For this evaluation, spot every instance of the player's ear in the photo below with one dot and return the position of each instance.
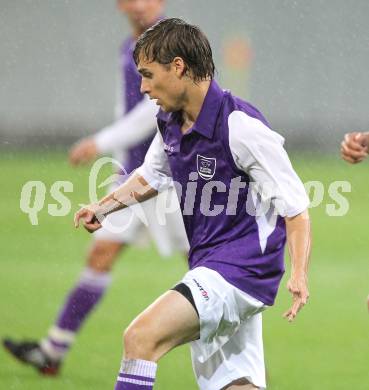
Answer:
(179, 67)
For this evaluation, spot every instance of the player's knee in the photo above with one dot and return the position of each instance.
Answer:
(99, 263)
(102, 254)
(139, 343)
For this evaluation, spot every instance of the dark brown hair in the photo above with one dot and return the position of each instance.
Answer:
(172, 38)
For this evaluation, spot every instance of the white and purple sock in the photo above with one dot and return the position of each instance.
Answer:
(80, 302)
(136, 374)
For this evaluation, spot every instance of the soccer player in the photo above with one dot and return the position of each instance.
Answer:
(354, 149)
(131, 134)
(219, 150)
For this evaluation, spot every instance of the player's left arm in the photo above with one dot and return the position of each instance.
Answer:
(260, 153)
(299, 246)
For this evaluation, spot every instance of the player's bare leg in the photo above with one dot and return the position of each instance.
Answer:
(83, 298)
(103, 254)
(170, 321)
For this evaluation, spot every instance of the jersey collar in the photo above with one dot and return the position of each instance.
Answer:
(206, 121)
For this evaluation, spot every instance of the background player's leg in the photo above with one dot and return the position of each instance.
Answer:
(170, 321)
(82, 299)
(93, 283)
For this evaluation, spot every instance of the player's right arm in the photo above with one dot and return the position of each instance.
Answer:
(149, 179)
(135, 190)
(355, 147)
(260, 153)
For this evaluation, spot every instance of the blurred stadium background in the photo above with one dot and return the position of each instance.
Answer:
(303, 63)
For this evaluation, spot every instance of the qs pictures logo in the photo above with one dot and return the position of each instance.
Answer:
(34, 192)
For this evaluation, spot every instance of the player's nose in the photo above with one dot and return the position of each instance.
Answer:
(144, 87)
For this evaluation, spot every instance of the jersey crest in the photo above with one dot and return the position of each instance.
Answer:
(206, 167)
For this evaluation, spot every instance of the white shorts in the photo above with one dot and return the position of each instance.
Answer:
(160, 217)
(231, 344)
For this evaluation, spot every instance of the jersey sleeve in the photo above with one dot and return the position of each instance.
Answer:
(130, 130)
(259, 152)
(155, 169)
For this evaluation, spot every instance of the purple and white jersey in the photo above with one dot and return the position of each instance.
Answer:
(133, 132)
(218, 167)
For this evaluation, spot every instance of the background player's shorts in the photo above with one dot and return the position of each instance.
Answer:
(160, 217)
(231, 344)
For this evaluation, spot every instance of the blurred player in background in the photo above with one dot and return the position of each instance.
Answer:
(215, 146)
(129, 136)
(355, 149)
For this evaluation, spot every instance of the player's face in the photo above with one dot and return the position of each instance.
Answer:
(164, 83)
(141, 13)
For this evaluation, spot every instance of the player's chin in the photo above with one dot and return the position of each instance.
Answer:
(166, 108)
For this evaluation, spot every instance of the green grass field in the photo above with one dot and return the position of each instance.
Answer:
(326, 348)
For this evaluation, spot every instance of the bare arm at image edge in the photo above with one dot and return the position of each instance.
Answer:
(355, 147)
